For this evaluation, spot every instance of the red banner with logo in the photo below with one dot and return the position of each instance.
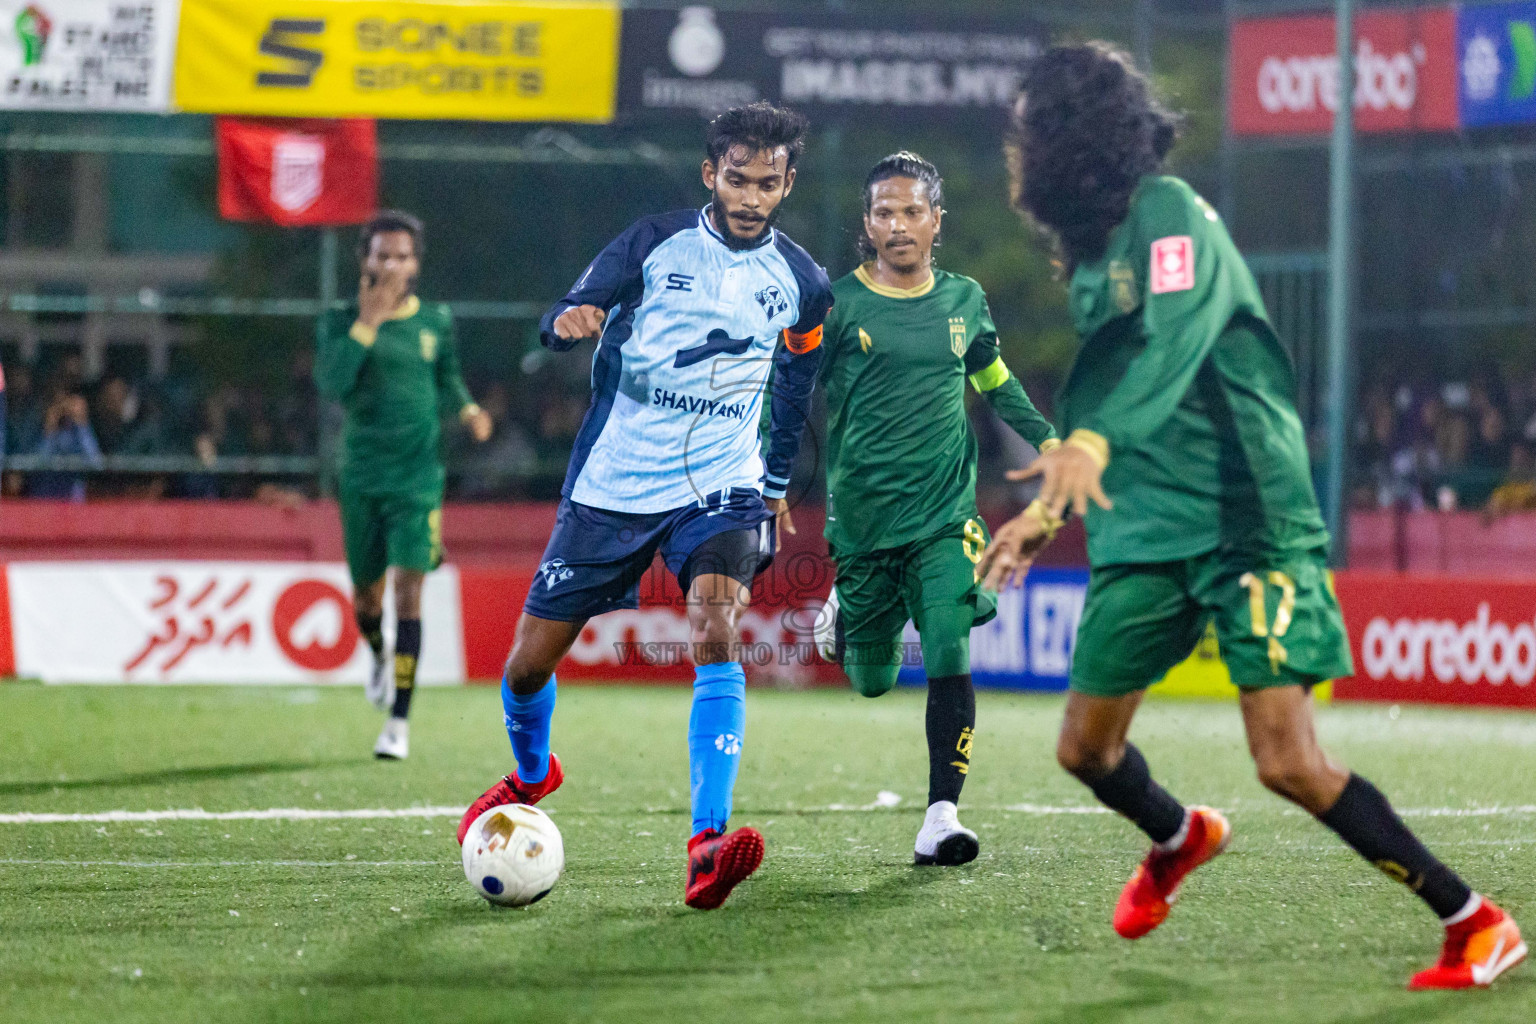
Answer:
(297, 172)
(1439, 639)
(1283, 73)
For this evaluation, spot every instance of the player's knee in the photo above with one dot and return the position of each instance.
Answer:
(715, 640)
(1083, 759)
(368, 602)
(523, 676)
(1288, 774)
(407, 594)
(872, 680)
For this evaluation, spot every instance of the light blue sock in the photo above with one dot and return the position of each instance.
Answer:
(716, 729)
(527, 719)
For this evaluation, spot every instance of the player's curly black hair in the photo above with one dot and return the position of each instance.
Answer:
(757, 126)
(391, 220)
(1085, 129)
(905, 164)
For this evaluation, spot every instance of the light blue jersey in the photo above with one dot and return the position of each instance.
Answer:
(692, 336)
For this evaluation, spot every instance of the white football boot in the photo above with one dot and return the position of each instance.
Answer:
(395, 741)
(942, 840)
(380, 687)
(825, 631)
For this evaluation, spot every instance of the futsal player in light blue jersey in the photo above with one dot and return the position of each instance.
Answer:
(693, 310)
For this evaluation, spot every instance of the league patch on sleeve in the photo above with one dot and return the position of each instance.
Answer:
(1173, 264)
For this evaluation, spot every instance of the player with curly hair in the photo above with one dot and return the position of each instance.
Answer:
(1187, 457)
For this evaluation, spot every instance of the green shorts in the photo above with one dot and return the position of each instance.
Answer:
(1277, 621)
(381, 530)
(932, 582)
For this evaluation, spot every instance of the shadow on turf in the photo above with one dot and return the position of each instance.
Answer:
(168, 775)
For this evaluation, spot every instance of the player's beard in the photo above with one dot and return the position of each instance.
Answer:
(723, 226)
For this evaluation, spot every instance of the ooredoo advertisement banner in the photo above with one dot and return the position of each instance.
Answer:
(86, 54)
(209, 622)
(1440, 640)
(1283, 73)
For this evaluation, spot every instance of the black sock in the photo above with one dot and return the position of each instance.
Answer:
(407, 651)
(1365, 820)
(951, 727)
(372, 629)
(1130, 790)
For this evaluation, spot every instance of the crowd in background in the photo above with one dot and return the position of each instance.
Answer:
(1447, 445)
(53, 410)
(1465, 444)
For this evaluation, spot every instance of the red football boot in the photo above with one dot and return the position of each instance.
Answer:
(512, 790)
(1145, 900)
(1476, 951)
(717, 864)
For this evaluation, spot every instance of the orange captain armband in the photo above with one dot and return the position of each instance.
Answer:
(800, 344)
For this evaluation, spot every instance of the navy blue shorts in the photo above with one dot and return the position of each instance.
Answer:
(595, 558)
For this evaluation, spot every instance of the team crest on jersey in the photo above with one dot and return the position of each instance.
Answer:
(772, 300)
(1122, 285)
(865, 341)
(957, 335)
(555, 571)
(428, 345)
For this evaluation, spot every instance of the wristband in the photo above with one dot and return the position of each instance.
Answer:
(1037, 511)
(469, 412)
(1049, 445)
(1095, 445)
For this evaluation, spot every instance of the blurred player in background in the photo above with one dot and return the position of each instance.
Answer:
(902, 524)
(689, 308)
(393, 363)
(1188, 458)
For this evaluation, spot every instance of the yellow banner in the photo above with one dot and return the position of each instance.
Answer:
(1204, 674)
(374, 58)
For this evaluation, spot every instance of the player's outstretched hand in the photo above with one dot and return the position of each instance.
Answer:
(783, 522)
(1007, 559)
(479, 423)
(580, 322)
(1069, 477)
(378, 297)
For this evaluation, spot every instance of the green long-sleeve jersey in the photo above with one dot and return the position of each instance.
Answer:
(901, 456)
(1182, 374)
(394, 390)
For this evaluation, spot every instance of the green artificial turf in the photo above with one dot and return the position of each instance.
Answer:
(365, 920)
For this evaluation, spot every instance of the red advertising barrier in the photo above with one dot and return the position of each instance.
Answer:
(1283, 73)
(1439, 639)
(651, 643)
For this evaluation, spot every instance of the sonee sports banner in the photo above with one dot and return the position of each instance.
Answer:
(371, 58)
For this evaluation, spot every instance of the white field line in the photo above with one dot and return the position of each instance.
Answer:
(16, 861)
(198, 814)
(378, 813)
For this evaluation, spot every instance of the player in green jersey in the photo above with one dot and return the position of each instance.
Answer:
(1187, 456)
(902, 525)
(393, 363)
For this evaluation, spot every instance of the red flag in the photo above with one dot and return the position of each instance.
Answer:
(298, 171)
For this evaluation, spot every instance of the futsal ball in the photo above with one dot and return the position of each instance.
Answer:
(513, 855)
